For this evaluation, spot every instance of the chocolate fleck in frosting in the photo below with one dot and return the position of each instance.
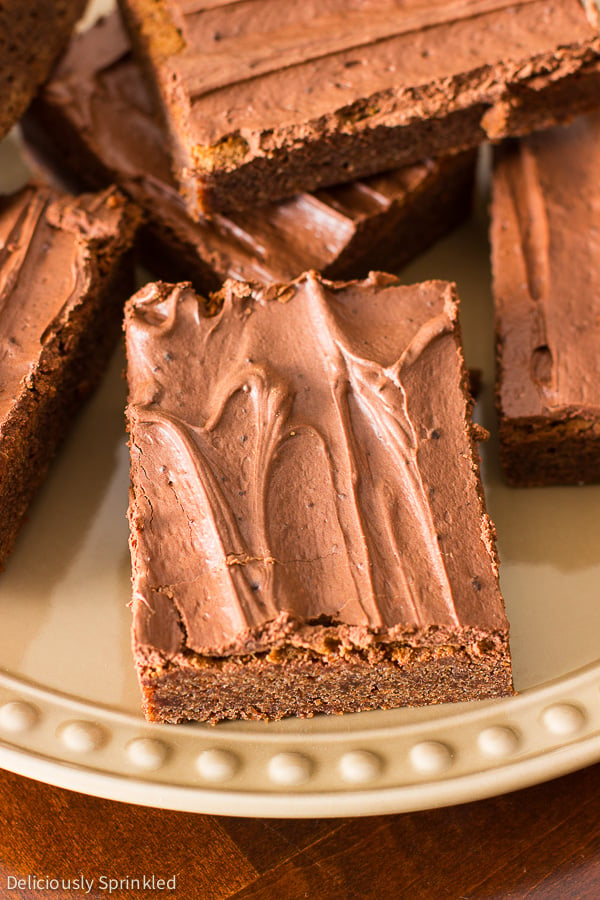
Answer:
(301, 480)
(263, 99)
(380, 222)
(64, 275)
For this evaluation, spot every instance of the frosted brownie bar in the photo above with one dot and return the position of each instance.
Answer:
(64, 276)
(546, 263)
(264, 99)
(308, 530)
(32, 35)
(382, 222)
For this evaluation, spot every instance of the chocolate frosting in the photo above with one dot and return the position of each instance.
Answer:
(298, 475)
(98, 86)
(241, 81)
(45, 253)
(546, 259)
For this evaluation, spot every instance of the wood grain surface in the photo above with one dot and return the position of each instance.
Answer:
(543, 842)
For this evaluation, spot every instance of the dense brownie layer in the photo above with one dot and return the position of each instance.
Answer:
(546, 262)
(306, 498)
(298, 682)
(64, 275)
(380, 223)
(264, 99)
(32, 35)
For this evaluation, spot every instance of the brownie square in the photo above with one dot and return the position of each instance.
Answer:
(32, 35)
(65, 272)
(308, 531)
(378, 223)
(264, 99)
(546, 262)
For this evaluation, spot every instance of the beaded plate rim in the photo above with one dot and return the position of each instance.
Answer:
(483, 750)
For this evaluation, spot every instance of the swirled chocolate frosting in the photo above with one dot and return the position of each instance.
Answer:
(303, 468)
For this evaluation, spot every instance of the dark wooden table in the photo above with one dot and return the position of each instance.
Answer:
(540, 842)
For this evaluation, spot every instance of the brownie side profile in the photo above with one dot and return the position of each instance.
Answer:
(308, 530)
(545, 237)
(32, 35)
(263, 99)
(76, 123)
(65, 271)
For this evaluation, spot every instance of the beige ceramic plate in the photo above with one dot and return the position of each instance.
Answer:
(69, 703)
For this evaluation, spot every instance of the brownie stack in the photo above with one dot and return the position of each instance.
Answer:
(76, 123)
(308, 525)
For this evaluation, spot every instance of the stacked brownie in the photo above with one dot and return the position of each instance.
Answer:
(308, 525)
(262, 99)
(288, 540)
(76, 125)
